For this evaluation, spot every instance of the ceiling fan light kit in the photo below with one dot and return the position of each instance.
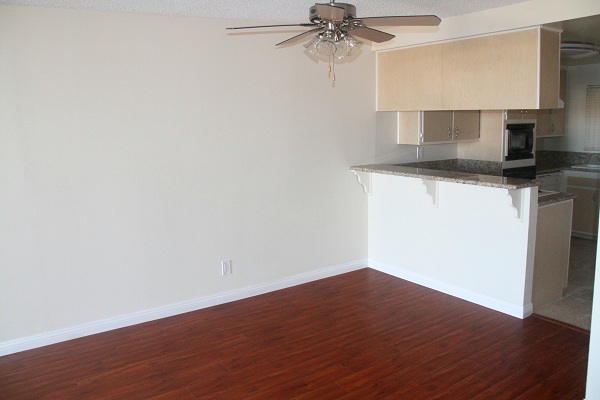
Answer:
(576, 50)
(335, 29)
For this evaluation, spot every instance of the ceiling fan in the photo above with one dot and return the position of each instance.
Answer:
(335, 28)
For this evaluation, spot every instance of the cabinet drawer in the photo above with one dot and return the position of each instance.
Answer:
(582, 182)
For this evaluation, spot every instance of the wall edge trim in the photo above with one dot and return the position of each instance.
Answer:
(122, 321)
(456, 291)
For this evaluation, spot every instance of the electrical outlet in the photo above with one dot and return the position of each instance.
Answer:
(226, 267)
(419, 152)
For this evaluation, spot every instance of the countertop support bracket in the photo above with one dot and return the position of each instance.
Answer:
(516, 199)
(432, 189)
(364, 179)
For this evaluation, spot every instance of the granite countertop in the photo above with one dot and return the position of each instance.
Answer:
(448, 176)
(555, 161)
(555, 198)
(548, 169)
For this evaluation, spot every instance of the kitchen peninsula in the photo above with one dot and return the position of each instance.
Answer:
(469, 235)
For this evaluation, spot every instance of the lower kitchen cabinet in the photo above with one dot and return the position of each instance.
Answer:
(552, 249)
(585, 208)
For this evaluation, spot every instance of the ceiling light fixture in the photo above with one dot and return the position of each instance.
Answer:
(333, 45)
(331, 25)
(578, 50)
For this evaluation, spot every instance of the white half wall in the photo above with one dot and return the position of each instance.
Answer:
(469, 241)
(138, 151)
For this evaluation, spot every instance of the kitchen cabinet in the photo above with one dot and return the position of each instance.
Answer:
(429, 127)
(466, 125)
(495, 72)
(435, 126)
(551, 181)
(552, 248)
(551, 122)
(586, 185)
(412, 79)
(521, 114)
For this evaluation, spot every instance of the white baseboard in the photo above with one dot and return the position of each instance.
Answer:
(473, 297)
(91, 328)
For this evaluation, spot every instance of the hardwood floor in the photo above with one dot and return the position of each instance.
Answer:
(361, 335)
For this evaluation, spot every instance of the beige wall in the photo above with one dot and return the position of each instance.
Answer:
(138, 151)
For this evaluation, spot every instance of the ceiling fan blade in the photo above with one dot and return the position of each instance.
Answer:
(412, 20)
(330, 13)
(271, 26)
(299, 37)
(371, 34)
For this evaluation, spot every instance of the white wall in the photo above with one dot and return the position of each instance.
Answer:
(138, 151)
(578, 78)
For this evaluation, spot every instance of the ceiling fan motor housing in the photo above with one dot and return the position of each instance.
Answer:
(349, 11)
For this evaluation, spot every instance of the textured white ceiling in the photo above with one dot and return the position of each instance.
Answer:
(285, 11)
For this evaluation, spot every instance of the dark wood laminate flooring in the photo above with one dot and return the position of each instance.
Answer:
(360, 335)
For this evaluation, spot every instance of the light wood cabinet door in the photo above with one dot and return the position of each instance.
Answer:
(410, 79)
(437, 126)
(552, 247)
(521, 114)
(551, 122)
(556, 120)
(585, 207)
(466, 125)
(542, 126)
(482, 72)
(494, 72)
(585, 210)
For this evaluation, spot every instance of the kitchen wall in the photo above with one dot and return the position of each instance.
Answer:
(578, 78)
(138, 151)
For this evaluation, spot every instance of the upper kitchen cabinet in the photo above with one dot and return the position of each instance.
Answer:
(516, 70)
(410, 79)
(430, 127)
(551, 122)
(521, 114)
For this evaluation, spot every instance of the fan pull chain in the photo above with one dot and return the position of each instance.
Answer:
(332, 68)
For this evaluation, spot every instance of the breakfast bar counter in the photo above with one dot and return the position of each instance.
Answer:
(447, 176)
(468, 235)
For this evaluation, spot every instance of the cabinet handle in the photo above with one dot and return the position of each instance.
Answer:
(552, 128)
(449, 133)
(456, 131)
(595, 197)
